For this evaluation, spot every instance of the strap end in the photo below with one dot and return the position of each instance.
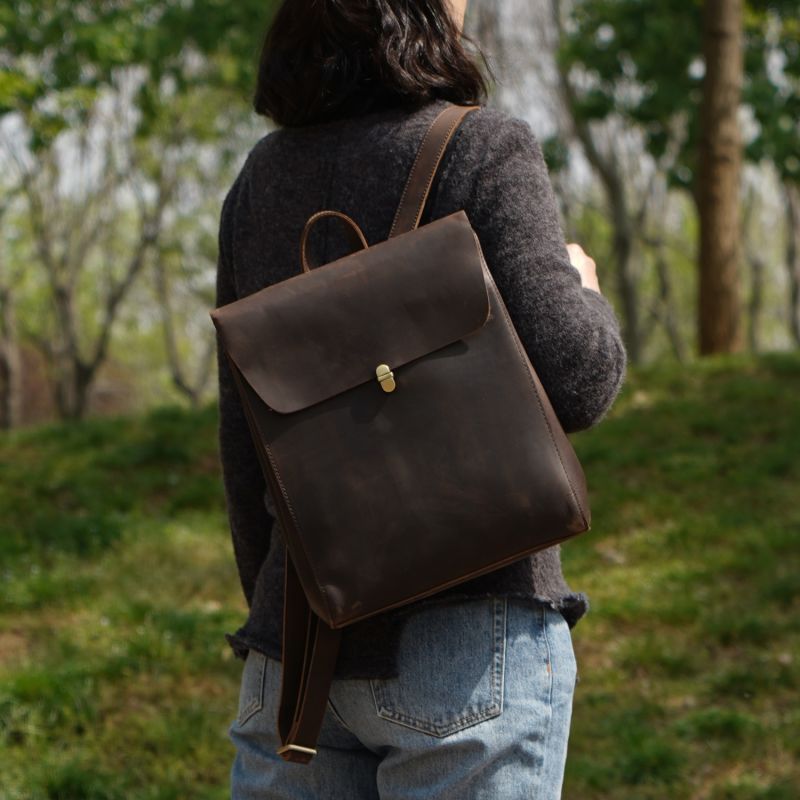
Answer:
(296, 753)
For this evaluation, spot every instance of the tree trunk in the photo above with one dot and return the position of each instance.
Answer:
(756, 304)
(192, 390)
(71, 386)
(718, 178)
(623, 241)
(10, 383)
(10, 361)
(668, 310)
(792, 192)
(612, 179)
(752, 258)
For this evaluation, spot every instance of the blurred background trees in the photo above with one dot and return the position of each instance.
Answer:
(646, 142)
(121, 124)
(670, 128)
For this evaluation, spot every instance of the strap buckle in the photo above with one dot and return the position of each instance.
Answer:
(296, 752)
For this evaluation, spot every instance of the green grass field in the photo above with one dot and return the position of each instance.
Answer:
(117, 582)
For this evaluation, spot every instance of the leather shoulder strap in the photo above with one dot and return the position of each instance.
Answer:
(420, 179)
(309, 653)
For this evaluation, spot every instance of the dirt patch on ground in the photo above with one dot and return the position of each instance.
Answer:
(14, 647)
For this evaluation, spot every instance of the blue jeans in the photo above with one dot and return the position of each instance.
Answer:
(481, 710)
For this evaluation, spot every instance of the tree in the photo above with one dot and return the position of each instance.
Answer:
(540, 53)
(719, 161)
(88, 241)
(774, 94)
(94, 233)
(644, 64)
(9, 348)
(792, 194)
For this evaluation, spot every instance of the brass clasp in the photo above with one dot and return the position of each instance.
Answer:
(385, 377)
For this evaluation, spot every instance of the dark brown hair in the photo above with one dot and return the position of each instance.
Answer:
(325, 59)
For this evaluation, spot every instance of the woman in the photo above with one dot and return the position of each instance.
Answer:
(467, 694)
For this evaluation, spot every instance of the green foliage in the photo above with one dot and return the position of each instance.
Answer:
(645, 61)
(775, 103)
(639, 55)
(57, 46)
(130, 116)
(116, 681)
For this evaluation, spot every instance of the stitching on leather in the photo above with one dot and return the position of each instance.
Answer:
(256, 430)
(436, 161)
(522, 356)
(485, 287)
(475, 573)
(427, 183)
(299, 536)
(411, 175)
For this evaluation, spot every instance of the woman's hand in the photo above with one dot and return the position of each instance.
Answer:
(585, 266)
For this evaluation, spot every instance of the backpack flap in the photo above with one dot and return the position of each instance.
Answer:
(320, 333)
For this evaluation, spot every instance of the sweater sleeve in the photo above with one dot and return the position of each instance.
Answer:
(570, 332)
(243, 480)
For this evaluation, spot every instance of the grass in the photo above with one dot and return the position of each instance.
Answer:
(688, 657)
(117, 582)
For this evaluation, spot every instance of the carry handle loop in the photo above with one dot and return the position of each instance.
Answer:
(355, 236)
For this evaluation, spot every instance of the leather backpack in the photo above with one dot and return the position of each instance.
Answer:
(404, 435)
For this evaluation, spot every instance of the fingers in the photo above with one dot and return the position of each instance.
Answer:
(585, 265)
(578, 255)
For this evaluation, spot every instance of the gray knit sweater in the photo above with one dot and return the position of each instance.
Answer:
(495, 171)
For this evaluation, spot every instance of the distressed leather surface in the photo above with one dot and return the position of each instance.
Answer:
(319, 333)
(467, 447)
